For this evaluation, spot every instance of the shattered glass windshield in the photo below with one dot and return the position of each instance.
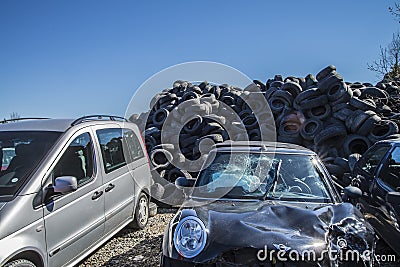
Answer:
(263, 176)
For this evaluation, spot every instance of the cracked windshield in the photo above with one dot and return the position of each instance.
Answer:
(263, 176)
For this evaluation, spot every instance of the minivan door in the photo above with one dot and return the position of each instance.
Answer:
(74, 221)
(119, 186)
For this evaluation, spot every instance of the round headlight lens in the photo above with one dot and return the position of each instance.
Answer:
(190, 237)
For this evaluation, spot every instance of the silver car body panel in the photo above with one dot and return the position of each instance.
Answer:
(72, 226)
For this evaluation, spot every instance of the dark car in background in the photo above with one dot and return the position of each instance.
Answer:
(377, 174)
(263, 204)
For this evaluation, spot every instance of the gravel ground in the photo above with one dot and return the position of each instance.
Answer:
(133, 247)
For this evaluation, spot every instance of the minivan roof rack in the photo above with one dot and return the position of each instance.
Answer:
(98, 118)
(22, 119)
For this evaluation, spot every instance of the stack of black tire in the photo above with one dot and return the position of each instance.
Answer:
(338, 120)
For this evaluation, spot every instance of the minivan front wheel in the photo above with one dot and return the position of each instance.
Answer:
(20, 263)
(141, 212)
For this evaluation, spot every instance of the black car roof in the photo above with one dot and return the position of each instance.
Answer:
(390, 141)
(262, 146)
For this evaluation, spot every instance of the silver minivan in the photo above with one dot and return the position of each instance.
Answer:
(67, 186)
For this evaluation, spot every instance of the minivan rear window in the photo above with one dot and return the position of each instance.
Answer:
(21, 152)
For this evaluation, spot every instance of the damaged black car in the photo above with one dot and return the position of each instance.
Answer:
(266, 204)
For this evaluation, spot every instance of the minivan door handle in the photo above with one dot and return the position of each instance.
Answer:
(97, 194)
(109, 187)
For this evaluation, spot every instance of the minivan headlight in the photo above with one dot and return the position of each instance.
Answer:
(190, 237)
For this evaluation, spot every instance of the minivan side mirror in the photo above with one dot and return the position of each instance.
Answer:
(393, 198)
(65, 184)
(351, 192)
(182, 182)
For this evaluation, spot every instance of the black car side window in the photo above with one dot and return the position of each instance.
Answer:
(391, 170)
(372, 159)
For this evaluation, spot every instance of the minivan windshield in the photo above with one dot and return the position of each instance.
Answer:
(291, 177)
(20, 152)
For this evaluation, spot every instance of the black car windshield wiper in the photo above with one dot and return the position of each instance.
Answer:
(275, 176)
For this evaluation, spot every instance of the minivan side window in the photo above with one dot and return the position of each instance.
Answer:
(111, 148)
(77, 160)
(391, 170)
(132, 146)
(372, 159)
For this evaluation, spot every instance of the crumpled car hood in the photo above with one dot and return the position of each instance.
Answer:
(300, 226)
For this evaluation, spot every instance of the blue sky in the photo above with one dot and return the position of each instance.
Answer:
(71, 58)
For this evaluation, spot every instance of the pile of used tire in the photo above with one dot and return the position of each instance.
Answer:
(338, 120)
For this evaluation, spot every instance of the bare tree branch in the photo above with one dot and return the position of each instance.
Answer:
(395, 11)
(387, 63)
(14, 116)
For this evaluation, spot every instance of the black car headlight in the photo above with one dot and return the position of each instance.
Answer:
(190, 237)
